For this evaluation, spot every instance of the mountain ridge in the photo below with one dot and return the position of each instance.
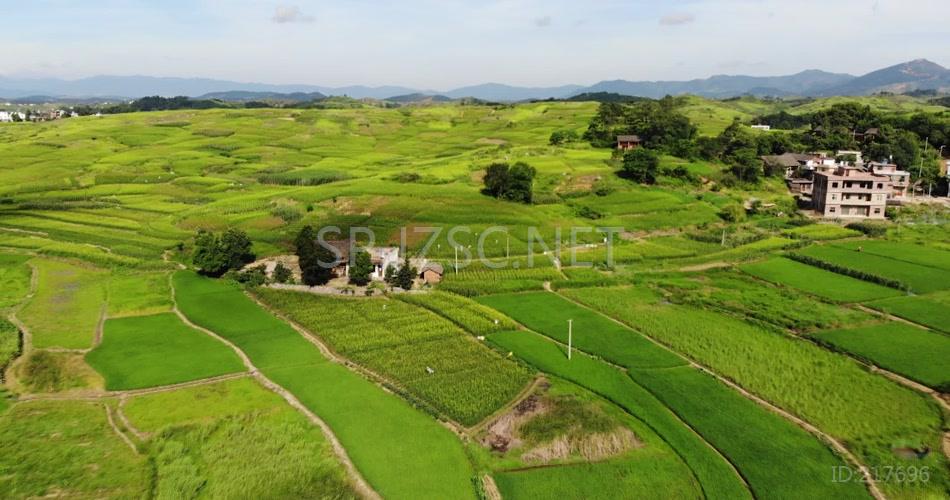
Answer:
(918, 74)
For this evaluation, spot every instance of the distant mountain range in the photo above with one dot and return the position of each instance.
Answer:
(919, 74)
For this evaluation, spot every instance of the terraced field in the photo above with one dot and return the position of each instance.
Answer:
(824, 284)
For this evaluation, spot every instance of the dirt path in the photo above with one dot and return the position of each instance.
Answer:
(888, 316)
(359, 483)
(97, 395)
(100, 326)
(118, 431)
(834, 443)
(141, 436)
(491, 489)
(705, 267)
(27, 339)
(524, 394)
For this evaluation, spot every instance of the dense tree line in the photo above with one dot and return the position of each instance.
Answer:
(215, 254)
(659, 124)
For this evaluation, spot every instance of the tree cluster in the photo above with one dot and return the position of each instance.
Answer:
(659, 124)
(215, 254)
(512, 183)
(315, 260)
(404, 277)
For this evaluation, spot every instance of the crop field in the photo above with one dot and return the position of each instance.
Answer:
(738, 294)
(824, 284)
(464, 312)
(548, 314)
(14, 279)
(919, 278)
(737, 427)
(103, 212)
(429, 355)
(916, 353)
(906, 252)
(821, 232)
(932, 310)
(53, 447)
(714, 474)
(148, 351)
(234, 439)
(68, 303)
(824, 388)
(400, 451)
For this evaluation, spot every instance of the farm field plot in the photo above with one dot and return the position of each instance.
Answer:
(742, 295)
(919, 278)
(14, 279)
(67, 448)
(548, 313)
(68, 303)
(906, 252)
(401, 452)
(715, 475)
(824, 284)
(932, 310)
(139, 293)
(824, 388)
(753, 438)
(821, 232)
(235, 439)
(907, 350)
(148, 351)
(744, 432)
(430, 356)
(470, 315)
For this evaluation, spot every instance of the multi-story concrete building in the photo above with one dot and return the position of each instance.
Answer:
(850, 193)
(900, 179)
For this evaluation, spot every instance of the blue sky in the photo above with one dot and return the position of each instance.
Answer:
(441, 44)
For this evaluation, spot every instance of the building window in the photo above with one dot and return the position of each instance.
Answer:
(834, 197)
(880, 185)
(832, 209)
(834, 184)
(877, 210)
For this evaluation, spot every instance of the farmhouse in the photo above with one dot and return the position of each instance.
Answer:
(850, 193)
(382, 258)
(628, 142)
(431, 273)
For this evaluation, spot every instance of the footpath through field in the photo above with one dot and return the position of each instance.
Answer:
(401, 452)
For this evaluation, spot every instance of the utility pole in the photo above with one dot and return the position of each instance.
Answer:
(570, 337)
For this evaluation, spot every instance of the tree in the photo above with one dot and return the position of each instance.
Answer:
(640, 165)
(361, 267)
(520, 182)
(513, 183)
(390, 275)
(316, 261)
(282, 274)
(405, 276)
(559, 137)
(214, 255)
(496, 179)
(732, 213)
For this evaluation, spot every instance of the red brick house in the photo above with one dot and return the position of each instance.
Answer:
(628, 142)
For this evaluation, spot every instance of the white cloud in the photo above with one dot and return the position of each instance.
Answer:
(677, 19)
(290, 14)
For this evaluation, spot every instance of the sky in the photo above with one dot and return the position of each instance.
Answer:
(444, 44)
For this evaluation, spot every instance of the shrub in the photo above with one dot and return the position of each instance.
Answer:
(214, 255)
(872, 229)
(640, 165)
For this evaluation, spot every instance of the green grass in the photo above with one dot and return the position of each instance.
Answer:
(149, 351)
(918, 354)
(821, 232)
(919, 278)
(401, 452)
(930, 310)
(46, 371)
(906, 252)
(548, 313)
(827, 389)
(402, 342)
(66, 448)
(824, 284)
(714, 474)
(9, 344)
(68, 303)
(14, 279)
(235, 439)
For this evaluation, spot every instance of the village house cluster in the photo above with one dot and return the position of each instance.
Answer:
(843, 186)
(36, 115)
